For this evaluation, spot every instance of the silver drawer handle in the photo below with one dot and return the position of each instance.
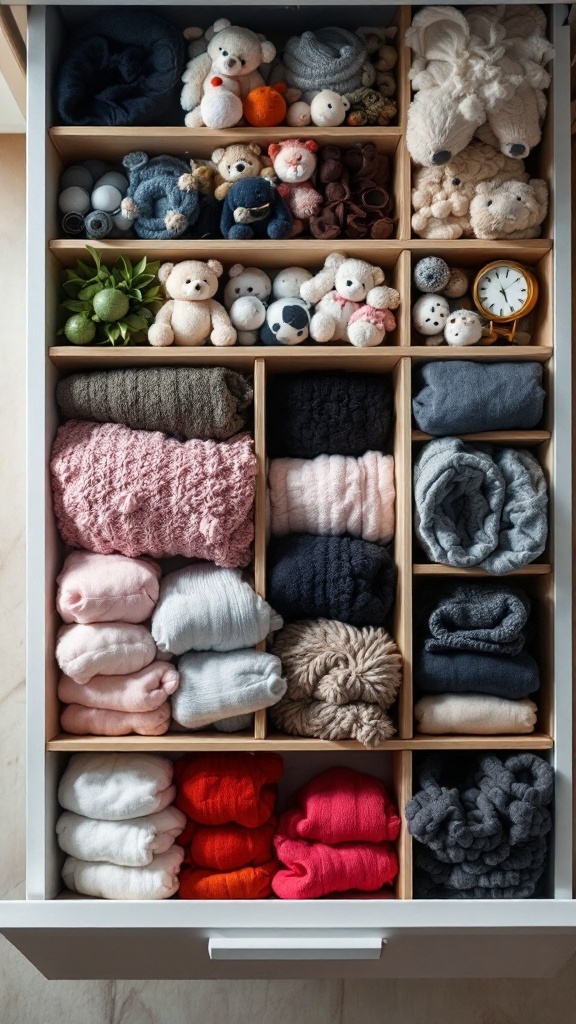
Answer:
(297, 947)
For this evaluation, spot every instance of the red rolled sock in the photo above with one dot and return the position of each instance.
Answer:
(314, 869)
(214, 789)
(230, 847)
(251, 883)
(342, 805)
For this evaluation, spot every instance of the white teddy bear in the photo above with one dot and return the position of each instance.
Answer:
(352, 302)
(288, 282)
(509, 209)
(245, 296)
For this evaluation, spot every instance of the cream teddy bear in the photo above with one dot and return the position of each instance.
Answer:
(246, 296)
(509, 209)
(352, 303)
(191, 316)
(242, 160)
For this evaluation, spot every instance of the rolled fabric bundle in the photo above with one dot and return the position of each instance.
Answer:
(479, 506)
(103, 649)
(131, 843)
(138, 492)
(107, 588)
(467, 672)
(476, 714)
(112, 786)
(332, 495)
(83, 721)
(214, 789)
(214, 686)
(476, 617)
(464, 397)
(248, 883)
(206, 608)
(208, 402)
(341, 805)
(331, 577)
(231, 847)
(367, 723)
(328, 413)
(158, 880)
(140, 691)
(328, 58)
(315, 869)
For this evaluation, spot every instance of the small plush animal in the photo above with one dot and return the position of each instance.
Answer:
(265, 106)
(509, 209)
(463, 327)
(253, 208)
(429, 314)
(287, 322)
(241, 160)
(352, 303)
(328, 109)
(162, 199)
(294, 163)
(246, 296)
(288, 282)
(191, 316)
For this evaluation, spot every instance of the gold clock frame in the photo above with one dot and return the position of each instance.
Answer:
(531, 300)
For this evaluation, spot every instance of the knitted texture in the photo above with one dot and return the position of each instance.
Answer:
(341, 805)
(111, 786)
(330, 577)
(105, 588)
(461, 397)
(476, 714)
(328, 413)
(156, 881)
(477, 617)
(208, 403)
(103, 649)
(314, 869)
(332, 495)
(214, 686)
(231, 847)
(329, 58)
(479, 506)
(136, 492)
(484, 838)
(205, 608)
(131, 843)
(82, 721)
(470, 672)
(144, 690)
(249, 883)
(340, 681)
(214, 789)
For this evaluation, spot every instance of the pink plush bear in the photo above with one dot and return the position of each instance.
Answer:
(294, 163)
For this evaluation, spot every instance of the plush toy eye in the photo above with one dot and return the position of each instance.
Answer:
(188, 280)
(242, 61)
(489, 203)
(455, 181)
(300, 333)
(205, 281)
(276, 327)
(250, 289)
(329, 106)
(237, 290)
(519, 198)
(224, 53)
(349, 284)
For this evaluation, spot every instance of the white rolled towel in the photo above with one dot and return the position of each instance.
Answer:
(332, 495)
(113, 786)
(216, 686)
(475, 714)
(205, 608)
(156, 881)
(103, 648)
(131, 843)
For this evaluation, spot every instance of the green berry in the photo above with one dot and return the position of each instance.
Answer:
(111, 305)
(79, 329)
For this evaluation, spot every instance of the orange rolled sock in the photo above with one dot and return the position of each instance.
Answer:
(251, 883)
(230, 847)
(214, 789)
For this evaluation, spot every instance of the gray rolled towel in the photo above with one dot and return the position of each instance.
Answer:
(208, 403)
(330, 58)
(479, 506)
(462, 397)
(478, 617)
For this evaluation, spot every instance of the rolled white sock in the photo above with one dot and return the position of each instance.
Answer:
(131, 843)
(113, 786)
(474, 713)
(157, 881)
(214, 686)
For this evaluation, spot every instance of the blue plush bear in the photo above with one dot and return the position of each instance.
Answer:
(253, 208)
(157, 202)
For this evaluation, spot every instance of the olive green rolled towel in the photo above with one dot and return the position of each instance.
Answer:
(208, 403)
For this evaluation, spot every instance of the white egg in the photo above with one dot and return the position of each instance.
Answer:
(74, 200)
(106, 197)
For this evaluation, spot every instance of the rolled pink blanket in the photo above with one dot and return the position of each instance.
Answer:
(139, 492)
(96, 722)
(314, 869)
(103, 649)
(140, 691)
(332, 495)
(107, 588)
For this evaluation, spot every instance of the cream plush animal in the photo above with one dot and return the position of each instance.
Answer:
(216, 82)
(509, 209)
(242, 160)
(246, 296)
(352, 302)
(191, 316)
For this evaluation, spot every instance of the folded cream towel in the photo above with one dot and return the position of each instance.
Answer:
(140, 691)
(113, 786)
(82, 721)
(103, 648)
(107, 588)
(157, 881)
(332, 495)
(474, 713)
(205, 608)
(132, 843)
(214, 686)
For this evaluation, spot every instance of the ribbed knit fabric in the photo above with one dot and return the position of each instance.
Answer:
(341, 805)
(103, 649)
(139, 492)
(249, 883)
(208, 403)
(330, 577)
(315, 869)
(140, 691)
(231, 847)
(214, 789)
(327, 413)
(475, 714)
(107, 588)
(329, 58)
(156, 881)
(468, 672)
(132, 843)
(333, 495)
(203, 607)
(217, 685)
(111, 786)
(478, 617)
(82, 721)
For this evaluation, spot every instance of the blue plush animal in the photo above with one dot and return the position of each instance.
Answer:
(160, 202)
(253, 208)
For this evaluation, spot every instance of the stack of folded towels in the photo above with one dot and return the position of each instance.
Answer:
(119, 826)
(472, 663)
(229, 802)
(337, 838)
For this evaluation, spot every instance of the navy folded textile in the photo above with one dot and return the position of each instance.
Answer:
(468, 672)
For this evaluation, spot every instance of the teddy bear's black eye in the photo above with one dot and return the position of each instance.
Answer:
(489, 203)
(242, 61)
(205, 281)
(349, 284)
(237, 290)
(519, 198)
(299, 333)
(187, 280)
(250, 289)
(329, 106)
(455, 181)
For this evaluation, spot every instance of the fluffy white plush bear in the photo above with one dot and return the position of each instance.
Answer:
(509, 209)
(288, 282)
(245, 297)
(352, 302)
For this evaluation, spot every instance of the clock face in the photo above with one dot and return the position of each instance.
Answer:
(503, 291)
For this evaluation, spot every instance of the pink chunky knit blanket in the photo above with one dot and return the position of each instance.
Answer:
(139, 492)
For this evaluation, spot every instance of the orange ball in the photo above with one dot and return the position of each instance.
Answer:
(265, 106)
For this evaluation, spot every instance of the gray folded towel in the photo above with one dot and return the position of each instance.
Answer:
(479, 506)
(330, 58)
(478, 617)
(461, 397)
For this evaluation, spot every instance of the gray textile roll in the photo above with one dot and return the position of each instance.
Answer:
(479, 506)
(462, 397)
(207, 403)
(477, 617)
(330, 58)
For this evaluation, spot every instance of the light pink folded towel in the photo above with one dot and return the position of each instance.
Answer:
(107, 588)
(139, 492)
(83, 721)
(140, 691)
(332, 495)
(103, 648)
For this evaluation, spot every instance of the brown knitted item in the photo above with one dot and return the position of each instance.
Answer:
(354, 181)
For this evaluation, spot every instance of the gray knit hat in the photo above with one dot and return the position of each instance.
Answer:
(330, 58)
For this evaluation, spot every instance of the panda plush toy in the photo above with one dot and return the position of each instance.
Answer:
(287, 322)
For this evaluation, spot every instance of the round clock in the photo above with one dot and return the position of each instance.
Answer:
(505, 291)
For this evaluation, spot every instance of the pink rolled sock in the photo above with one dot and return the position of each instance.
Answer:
(103, 648)
(342, 805)
(314, 869)
(96, 722)
(139, 492)
(140, 691)
(107, 588)
(332, 495)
